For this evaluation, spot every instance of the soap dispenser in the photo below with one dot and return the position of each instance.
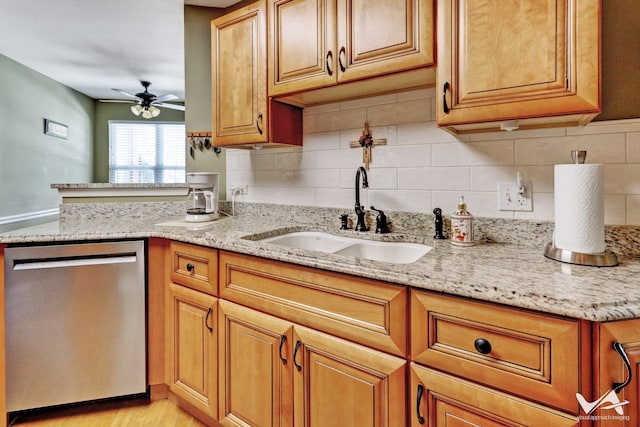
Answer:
(462, 225)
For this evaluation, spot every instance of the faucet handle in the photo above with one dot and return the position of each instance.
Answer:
(381, 222)
(344, 222)
(439, 222)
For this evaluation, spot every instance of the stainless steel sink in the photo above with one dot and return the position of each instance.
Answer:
(393, 252)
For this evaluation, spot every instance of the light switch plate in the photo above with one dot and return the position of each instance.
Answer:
(513, 198)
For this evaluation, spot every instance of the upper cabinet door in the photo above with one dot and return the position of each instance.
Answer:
(320, 43)
(239, 67)
(515, 60)
(377, 37)
(302, 37)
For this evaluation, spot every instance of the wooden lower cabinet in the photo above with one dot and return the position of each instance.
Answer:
(614, 372)
(338, 383)
(297, 347)
(255, 386)
(531, 355)
(192, 348)
(441, 400)
(275, 373)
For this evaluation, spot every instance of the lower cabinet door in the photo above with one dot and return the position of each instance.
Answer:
(192, 350)
(255, 383)
(339, 383)
(442, 400)
(616, 401)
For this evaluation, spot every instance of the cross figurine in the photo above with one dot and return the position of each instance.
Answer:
(366, 141)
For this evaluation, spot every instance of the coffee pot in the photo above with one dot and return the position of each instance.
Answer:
(203, 196)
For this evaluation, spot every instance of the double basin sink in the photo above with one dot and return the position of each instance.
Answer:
(393, 252)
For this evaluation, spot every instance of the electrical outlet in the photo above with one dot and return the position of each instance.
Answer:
(514, 197)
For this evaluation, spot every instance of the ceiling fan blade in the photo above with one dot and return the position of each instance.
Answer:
(125, 93)
(166, 97)
(125, 101)
(170, 106)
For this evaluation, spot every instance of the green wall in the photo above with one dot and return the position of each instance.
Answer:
(197, 52)
(31, 161)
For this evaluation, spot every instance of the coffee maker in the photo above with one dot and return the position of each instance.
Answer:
(203, 196)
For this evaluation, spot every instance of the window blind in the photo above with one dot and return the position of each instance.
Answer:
(146, 152)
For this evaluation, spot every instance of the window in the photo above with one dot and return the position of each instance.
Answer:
(146, 152)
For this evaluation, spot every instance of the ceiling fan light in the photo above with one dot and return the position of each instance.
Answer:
(155, 111)
(146, 114)
(136, 109)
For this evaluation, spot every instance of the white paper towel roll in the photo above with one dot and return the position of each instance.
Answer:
(579, 208)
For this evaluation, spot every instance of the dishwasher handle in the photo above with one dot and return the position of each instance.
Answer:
(79, 261)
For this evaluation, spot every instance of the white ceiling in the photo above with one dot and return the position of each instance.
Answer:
(95, 45)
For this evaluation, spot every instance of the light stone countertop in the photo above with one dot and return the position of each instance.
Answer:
(515, 275)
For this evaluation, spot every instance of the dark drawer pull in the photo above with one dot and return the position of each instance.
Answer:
(341, 53)
(295, 353)
(445, 107)
(483, 346)
(418, 400)
(627, 364)
(283, 339)
(258, 120)
(206, 319)
(191, 268)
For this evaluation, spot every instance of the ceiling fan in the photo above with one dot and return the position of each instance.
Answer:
(147, 103)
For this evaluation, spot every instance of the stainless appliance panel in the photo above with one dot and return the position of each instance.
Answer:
(75, 323)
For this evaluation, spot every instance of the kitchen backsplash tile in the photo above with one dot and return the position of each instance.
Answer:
(607, 148)
(633, 209)
(423, 167)
(633, 147)
(473, 153)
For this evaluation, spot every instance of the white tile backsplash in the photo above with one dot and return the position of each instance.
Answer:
(473, 153)
(633, 209)
(423, 167)
(633, 147)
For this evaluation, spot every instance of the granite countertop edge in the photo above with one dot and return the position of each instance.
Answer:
(513, 275)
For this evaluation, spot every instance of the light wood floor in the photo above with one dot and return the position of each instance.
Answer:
(158, 413)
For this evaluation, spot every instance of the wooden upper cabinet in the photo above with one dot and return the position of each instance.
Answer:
(302, 36)
(320, 43)
(242, 111)
(240, 75)
(536, 62)
(383, 36)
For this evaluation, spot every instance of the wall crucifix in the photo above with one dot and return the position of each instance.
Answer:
(366, 142)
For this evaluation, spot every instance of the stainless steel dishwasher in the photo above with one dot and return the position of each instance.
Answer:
(75, 323)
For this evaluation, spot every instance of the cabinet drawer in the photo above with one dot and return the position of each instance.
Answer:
(443, 400)
(524, 353)
(195, 267)
(361, 310)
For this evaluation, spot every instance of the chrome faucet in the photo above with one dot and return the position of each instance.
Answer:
(360, 212)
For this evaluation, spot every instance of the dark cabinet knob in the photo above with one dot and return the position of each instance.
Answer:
(483, 346)
(191, 268)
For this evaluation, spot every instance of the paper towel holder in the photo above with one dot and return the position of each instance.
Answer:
(578, 156)
(601, 259)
